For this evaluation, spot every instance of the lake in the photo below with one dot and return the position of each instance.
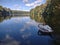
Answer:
(22, 30)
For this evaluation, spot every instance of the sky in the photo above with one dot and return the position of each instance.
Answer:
(24, 5)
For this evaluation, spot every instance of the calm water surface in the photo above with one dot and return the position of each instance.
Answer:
(22, 31)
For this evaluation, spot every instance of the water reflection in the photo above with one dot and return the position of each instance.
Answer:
(9, 41)
(40, 33)
(4, 18)
(22, 31)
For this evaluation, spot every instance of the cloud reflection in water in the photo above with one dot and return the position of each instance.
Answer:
(9, 41)
(26, 30)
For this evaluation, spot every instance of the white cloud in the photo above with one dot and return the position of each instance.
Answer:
(31, 4)
(16, 7)
(34, 4)
(25, 1)
(38, 1)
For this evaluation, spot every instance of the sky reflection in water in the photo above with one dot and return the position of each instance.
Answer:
(22, 31)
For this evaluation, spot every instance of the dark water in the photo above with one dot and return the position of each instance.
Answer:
(22, 31)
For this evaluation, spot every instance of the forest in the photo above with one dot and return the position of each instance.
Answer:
(5, 11)
(50, 13)
(8, 12)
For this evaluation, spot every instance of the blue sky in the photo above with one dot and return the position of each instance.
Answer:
(24, 5)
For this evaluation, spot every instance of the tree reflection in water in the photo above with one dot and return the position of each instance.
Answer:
(4, 18)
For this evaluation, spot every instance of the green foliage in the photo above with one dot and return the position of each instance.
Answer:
(5, 11)
(1, 8)
(18, 12)
(36, 13)
(51, 13)
(4, 18)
